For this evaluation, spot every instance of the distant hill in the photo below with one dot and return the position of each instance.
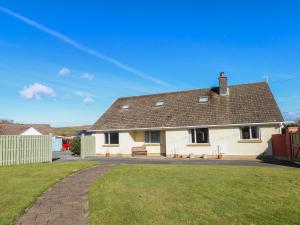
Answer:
(69, 131)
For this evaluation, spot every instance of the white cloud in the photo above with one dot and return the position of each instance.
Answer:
(87, 76)
(82, 47)
(291, 116)
(64, 72)
(88, 100)
(87, 97)
(36, 91)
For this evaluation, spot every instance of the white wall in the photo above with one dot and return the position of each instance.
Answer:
(227, 138)
(177, 141)
(127, 140)
(31, 131)
(125, 144)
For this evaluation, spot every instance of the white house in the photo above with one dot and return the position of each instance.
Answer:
(25, 129)
(234, 120)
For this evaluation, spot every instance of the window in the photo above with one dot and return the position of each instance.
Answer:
(203, 99)
(250, 132)
(111, 138)
(152, 137)
(125, 107)
(159, 103)
(199, 135)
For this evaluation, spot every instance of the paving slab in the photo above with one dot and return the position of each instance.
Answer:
(66, 203)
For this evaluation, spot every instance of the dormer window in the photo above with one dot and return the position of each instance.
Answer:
(159, 103)
(125, 106)
(203, 99)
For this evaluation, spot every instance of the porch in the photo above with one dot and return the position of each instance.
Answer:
(150, 143)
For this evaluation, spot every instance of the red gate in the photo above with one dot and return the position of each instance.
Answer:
(295, 154)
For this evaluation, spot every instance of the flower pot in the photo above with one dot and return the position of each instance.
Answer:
(176, 156)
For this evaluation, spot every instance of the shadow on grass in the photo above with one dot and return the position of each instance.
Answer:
(279, 162)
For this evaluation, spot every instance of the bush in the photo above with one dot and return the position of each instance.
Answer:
(76, 146)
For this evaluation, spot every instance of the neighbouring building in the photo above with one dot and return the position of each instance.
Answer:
(236, 120)
(25, 129)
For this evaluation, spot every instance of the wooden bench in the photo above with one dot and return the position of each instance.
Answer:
(138, 151)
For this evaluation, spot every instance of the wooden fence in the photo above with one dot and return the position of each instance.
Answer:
(88, 146)
(296, 147)
(16, 149)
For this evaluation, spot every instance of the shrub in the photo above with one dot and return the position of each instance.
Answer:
(76, 146)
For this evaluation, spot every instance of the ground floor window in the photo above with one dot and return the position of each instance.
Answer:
(250, 132)
(152, 136)
(199, 135)
(111, 138)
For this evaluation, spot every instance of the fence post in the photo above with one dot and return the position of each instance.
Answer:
(1, 150)
(82, 146)
(18, 150)
(50, 148)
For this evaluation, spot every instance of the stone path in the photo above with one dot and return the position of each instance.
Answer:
(66, 202)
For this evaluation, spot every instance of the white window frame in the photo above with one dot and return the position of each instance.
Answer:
(195, 135)
(109, 143)
(160, 103)
(151, 138)
(126, 106)
(203, 100)
(250, 131)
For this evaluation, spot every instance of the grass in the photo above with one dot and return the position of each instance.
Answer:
(189, 194)
(21, 185)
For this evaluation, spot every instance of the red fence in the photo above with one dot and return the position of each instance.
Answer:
(281, 144)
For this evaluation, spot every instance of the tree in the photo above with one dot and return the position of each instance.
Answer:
(76, 146)
(297, 122)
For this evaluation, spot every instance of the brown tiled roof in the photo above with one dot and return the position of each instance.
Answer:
(246, 103)
(17, 129)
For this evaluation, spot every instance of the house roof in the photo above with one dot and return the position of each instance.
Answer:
(246, 103)
(17, 129)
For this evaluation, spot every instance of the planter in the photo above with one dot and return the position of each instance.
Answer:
(220, 156)
(107, 155)
(176, 156)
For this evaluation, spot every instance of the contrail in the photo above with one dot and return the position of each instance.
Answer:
(81, 47)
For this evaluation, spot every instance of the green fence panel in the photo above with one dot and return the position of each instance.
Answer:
(16, 149)
(88, 146)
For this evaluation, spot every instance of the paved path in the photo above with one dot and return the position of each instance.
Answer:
(66, 202)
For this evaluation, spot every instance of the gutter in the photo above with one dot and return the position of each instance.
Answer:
(187, 127)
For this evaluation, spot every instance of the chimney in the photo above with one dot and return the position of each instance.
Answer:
(223, 89)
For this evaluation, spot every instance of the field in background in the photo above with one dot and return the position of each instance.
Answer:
(69, 131)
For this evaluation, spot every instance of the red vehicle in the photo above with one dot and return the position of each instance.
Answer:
(66, 144)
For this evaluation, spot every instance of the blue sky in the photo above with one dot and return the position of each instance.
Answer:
(96, 51)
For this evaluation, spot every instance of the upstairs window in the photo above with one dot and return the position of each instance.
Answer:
(159, 103)
(111, 138)
(203, 99)
(152, 136)
(250, 133)
(125, 106)
(199, 135)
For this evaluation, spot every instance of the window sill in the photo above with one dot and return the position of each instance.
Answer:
(111, 145)
(151, 144)
(250, 141)
(198, 144)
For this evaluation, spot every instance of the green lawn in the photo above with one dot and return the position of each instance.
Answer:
(182, 194)
(21, 185)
